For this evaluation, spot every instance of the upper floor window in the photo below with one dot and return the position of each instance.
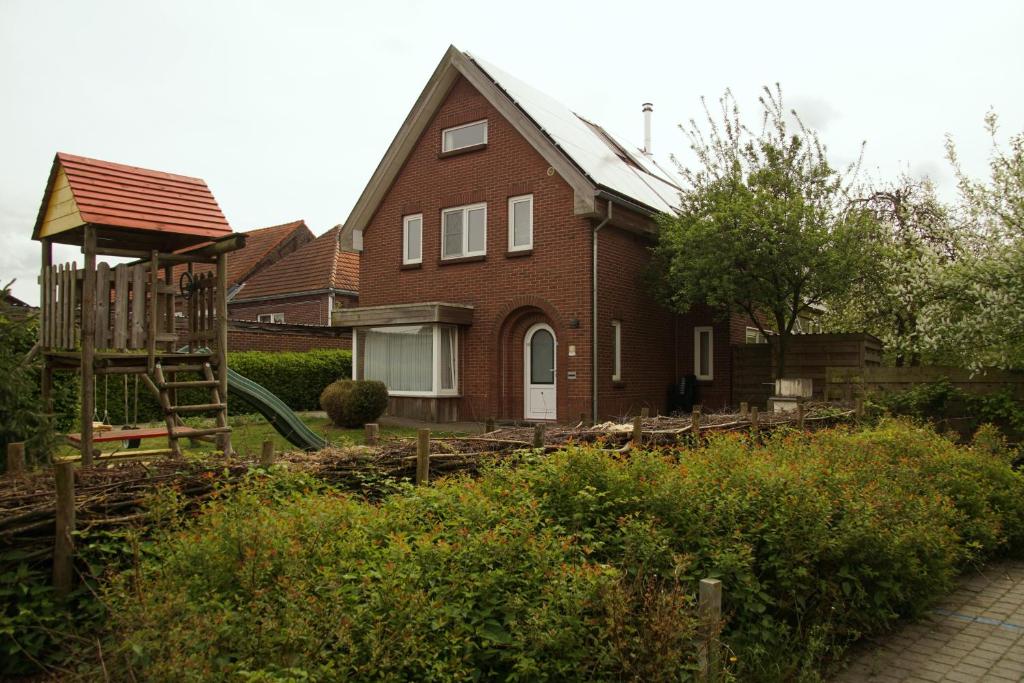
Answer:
(464, 231)
(703, 352)
(412, 239)
(270, 318)
(467, 135)
(520, 223)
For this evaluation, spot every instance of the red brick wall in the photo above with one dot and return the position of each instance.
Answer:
(551, 284)
(252, 340)
(300, 310)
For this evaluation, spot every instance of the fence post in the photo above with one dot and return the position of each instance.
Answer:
(64, 544)
(638, 430)
(695, 422)
(800, 415)
(489, 425)
(754, 417)
(645, 412)
(267, 454)
(422, 457)
(372, 432)
(538, 435)
(744, 409)
(710, 612)
(16, 458)
(858, 409)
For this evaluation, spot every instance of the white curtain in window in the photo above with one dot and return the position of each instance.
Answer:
(447, 368)
(401, 357)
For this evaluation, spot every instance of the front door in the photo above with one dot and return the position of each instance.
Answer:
(539, 364)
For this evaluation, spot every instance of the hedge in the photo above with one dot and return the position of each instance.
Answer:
(577, 566)
(297, 377)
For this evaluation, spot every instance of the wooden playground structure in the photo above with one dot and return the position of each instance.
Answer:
(153, 317)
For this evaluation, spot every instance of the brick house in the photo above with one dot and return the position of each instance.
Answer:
(303, 288)
(503, 241)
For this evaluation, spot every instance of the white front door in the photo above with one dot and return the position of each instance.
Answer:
(539, 366)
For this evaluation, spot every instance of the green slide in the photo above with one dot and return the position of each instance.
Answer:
(279, 415)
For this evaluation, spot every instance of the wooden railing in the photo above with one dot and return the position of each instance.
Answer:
(135, 308)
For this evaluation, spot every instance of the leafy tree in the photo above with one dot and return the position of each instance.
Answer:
(21, 416)
(764, 225)
(983, 318)
(918, 242)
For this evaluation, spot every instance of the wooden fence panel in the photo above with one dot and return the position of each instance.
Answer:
(854, 382)
(102, 306)
(138, 325)
(121, 307)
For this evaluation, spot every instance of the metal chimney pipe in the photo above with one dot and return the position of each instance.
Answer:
(648, 108)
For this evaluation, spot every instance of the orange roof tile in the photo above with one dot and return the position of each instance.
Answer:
(259, 242)
(316, 266)
(120, 196)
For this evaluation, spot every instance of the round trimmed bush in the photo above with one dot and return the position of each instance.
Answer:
(353, 403)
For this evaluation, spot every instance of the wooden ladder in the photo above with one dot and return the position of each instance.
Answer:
(167, 392)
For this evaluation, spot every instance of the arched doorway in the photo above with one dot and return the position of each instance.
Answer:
(540, 373)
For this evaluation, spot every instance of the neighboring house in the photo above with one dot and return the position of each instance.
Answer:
(301, 288)
(503, 243)
(263, 246)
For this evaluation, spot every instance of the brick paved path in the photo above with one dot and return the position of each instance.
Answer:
(976, 634)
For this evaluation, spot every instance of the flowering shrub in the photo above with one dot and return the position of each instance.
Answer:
(576, 566)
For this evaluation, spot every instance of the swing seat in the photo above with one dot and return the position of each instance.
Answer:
(126, 434)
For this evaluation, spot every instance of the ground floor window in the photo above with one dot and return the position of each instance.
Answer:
(754, 336)
(703, 349)
(411, 360)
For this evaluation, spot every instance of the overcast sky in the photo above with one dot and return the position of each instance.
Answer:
(285, 108)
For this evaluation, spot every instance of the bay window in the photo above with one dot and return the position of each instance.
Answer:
(411, 360)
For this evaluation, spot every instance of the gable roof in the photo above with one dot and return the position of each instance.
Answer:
(318, 266)
(259, 245)
(129, 199)
(585, 155)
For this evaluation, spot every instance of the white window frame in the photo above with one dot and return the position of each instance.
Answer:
(512, 201)
(435, 374)
(445, 132)
(759, 338)
(405, 238)
(465, 209)
(616, 350)
(697, 332)
(260, 318)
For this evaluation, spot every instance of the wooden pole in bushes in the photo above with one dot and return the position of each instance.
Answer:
(489, 425)
(710, 613)
(16, 458)
(800, 415)
(267, 454)
(538, 436)
(695, 422)
(423, 457)
(753, 420)
(744, 409)
(372, 432)
(64, 545)
(638, 430)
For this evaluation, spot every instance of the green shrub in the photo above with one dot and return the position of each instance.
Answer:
(353, 403)
(579, 565)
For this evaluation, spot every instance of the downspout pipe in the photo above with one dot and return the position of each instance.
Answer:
(593, 315)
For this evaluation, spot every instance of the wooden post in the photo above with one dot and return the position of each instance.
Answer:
(710, 612)
(222, 341)
(422, 457)
(858, 409)
(638, 430)
(16, 458)
(695, 423)
(372, 432)
(267, 454)
(88, 342)
(583, 420)
(754, 417)
(538, 435)
(744, 410)
(489, 425)
(46, 325)
(800, 415)
(64, 545)
(645, 412)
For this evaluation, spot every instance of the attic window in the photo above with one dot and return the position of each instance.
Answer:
(463, 137)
